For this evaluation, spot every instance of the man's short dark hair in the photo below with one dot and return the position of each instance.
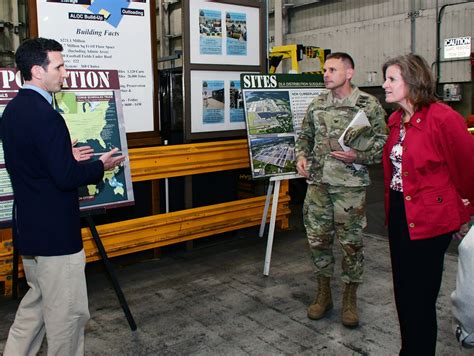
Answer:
(342, 56)
(35, 52)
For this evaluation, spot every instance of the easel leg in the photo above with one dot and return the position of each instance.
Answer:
(111, 273)
(16, 258)
(271, 231)
(265, 209)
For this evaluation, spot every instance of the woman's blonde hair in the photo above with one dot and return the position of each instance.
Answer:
(418, 77)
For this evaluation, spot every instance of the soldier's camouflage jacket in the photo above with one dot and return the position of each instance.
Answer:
(325, 121)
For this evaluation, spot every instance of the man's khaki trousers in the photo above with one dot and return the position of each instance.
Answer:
(56, 305)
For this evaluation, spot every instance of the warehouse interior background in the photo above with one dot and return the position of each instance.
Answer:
(371, 31)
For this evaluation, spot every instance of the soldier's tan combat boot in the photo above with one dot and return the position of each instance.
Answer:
(350, 318)
(323, 301)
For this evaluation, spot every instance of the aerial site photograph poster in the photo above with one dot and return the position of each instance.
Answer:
(275, 106)
(269, 112)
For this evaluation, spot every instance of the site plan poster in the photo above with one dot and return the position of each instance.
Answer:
(103, 34)
(91, 106)
(275, 106)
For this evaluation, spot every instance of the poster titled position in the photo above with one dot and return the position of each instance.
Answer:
(275, 106)
(9, 87)
(91, 106)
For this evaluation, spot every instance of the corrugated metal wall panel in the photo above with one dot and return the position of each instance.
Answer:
(6, 35)
(425, 36)
(456, 22)
(366, 41)
(382, 30)
(175, 22)
(431, 4)
(330, 14)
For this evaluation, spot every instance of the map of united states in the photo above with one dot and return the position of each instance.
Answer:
(92, 120)
(76, 113)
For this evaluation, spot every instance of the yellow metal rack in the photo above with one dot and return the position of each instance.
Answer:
(124, 237)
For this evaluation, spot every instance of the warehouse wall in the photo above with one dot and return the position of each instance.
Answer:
(169, 31)
(373, 31)
(13, 28)
(6, 34)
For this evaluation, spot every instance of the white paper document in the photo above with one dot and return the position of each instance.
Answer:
(359, 120)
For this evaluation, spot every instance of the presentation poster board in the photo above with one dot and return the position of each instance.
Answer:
(275, 106)
(104, 34)
(10, 83)
(91, 106)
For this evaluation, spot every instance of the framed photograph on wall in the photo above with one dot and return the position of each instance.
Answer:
(221, 39)
(223, 33)
(217, 103)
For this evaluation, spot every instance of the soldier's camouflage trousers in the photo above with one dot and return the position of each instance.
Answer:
(328, 211)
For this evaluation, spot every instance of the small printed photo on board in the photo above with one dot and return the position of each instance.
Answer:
(210, 32)
(236, 31)
(273, 155)
(213, 101)
(236, 102)
(269, 112)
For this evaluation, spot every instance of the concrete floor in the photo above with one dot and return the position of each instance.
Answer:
(214, 300)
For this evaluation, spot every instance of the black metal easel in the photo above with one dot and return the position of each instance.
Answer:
(15, 274)
(108, 267)
(110, 272)
(15, 261)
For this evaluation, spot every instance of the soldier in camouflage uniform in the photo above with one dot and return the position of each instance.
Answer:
(336, 197)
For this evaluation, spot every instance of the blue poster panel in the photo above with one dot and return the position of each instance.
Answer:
(213, 101)
(210, 32)
(236, 27)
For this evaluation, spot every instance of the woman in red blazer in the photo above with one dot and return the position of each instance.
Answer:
(429, 193)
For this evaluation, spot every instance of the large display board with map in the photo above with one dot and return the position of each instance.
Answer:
(99, 34)
(275, 106)
(91, 106)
